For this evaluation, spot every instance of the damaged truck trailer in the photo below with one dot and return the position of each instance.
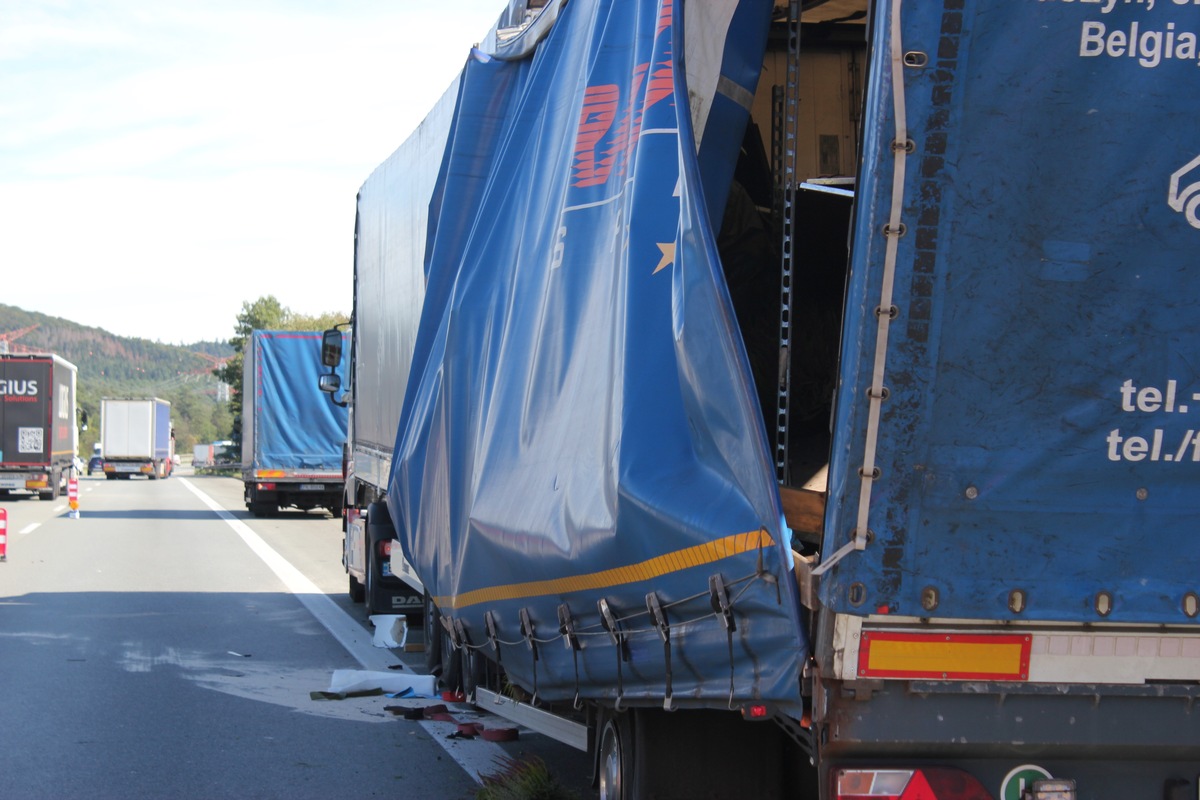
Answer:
(805, 395)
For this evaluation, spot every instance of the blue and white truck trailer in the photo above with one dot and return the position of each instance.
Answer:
(292, 436)
(38, 431)
(802, 402)
(136, 437)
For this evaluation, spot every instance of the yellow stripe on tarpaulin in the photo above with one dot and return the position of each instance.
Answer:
(676, 561)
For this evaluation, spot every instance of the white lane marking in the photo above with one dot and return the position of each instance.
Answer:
(477, 760)
(58, 508)
(29, 528)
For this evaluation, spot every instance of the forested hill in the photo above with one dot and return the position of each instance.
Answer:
(120, 366)
(105, 357)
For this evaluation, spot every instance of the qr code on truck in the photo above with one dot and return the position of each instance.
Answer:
(29, 440)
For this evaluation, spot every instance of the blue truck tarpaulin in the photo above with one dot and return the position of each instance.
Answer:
(295, 425)
(1037, 452)
(580, 422)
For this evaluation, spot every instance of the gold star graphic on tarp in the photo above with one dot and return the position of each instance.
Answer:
(668, 255)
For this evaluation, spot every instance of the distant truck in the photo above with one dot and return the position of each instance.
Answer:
(38, 433)
(136, 437)
(202, 455)
(292, 436)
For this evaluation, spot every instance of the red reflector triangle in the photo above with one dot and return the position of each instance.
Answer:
(918, 788)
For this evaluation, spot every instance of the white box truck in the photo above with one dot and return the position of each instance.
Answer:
(136, 437)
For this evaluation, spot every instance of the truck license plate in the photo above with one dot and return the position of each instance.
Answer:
(312, 487)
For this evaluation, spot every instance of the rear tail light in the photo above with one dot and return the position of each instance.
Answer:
(266, 487)
(936, 783)
(385, 548)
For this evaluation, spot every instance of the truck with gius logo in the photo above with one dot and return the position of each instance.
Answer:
(38, 432)
(803, 399)
(136, 437)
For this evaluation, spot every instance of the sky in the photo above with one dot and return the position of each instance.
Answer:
(163, 162)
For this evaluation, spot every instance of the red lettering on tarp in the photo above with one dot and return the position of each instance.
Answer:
(17, 398)
(662, 84)
(599, 111)
(594, 166)
(664, 16)
(626, 134)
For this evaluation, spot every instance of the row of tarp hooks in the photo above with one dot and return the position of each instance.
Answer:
(719, 601)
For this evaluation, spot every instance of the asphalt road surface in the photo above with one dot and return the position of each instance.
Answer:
(165, 644)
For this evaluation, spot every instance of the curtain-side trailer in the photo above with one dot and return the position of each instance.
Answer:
(799, 401)
(292, 436)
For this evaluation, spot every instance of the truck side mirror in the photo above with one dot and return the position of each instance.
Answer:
(330, 382)
(331, 348)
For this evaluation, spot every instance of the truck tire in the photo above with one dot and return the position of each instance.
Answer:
(433, 637)
(52, 492)
(441, 659)
(614, 757)
(357, 590)
(473, 670)
(452, 660)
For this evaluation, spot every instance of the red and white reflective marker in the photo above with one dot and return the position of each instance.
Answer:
(3, 534)
(73, 497)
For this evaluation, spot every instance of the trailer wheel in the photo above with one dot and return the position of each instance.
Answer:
(474, 665)
(452, 662)
(433, 637)
(357, 590)
(614, 756)
(52, 492)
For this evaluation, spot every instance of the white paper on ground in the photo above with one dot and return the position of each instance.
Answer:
(390, 630)
(345, 681)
